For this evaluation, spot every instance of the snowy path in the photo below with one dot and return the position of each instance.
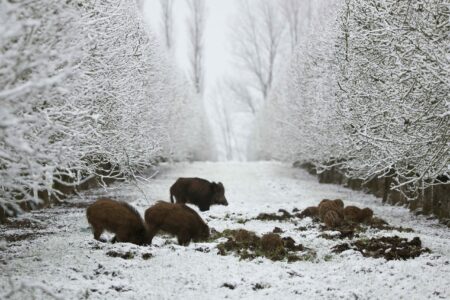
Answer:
(66, 261)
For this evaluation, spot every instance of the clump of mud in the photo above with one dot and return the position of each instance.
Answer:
(23, 229)
(346, 230)
(128, 254)
(277, 230)
(282, 215)
(390, 248)
(247, 245)
(146, 256)
(123, 255)
(352, 230)
(380, 224)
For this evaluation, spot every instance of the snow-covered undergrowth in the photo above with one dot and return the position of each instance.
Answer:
(63, 260)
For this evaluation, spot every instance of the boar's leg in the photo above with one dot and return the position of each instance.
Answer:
(152, 231)
(183, 238)
(183, 199)
(97, 233)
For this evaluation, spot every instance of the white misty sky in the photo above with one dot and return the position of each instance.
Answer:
(220, 14)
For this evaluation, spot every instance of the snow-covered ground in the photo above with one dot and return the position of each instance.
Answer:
(63, 260)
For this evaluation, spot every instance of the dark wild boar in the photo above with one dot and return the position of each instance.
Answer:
(327, 205)
(332, 219)
(119, 218)
(199, 192)
(357, 215)
(177, 219)
(311, 211)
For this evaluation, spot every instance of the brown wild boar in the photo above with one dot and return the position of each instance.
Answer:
(311, 211)
(199, 192)
(177, 219)
(119, 218)
(327, 205)
(366, 214)
(339, 202)
(357, 215)
(332, 219)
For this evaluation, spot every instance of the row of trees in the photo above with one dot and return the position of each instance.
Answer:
(196, 25)
(367, 90)
(85, 89)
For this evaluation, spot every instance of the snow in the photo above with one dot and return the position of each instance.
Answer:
(65, 261)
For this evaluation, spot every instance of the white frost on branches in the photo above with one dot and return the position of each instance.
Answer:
(369, 92)
(84, 86)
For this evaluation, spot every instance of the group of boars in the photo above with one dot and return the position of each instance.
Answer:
(185, 223)
(334, 214)
(173, 217)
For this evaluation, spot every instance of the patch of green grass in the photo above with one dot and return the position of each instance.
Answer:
(328, 257)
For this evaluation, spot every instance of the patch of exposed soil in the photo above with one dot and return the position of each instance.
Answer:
(259, 286)
(128, 254)
(23, 229)
(15, 237)
(282, 215)
(77, 204)
(123, 255)
(146, 256)
(378, 223)
(277, 230)
(248, 245)
(389, 248)
(352, 230)
(24, 224)
(229, 286)
(346, 230)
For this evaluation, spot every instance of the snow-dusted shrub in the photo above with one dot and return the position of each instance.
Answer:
(38, 121)
(394, 87)
(84, 87)
(127, 80)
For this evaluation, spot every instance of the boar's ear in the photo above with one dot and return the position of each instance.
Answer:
(220, 184)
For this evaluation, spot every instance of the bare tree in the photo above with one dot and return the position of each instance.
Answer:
(258, 36)
(226, 127)
(291, 11)
(239, 91)
(196, 27)
(167, 21)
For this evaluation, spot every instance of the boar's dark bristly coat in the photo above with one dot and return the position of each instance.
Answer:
(177, 219)
(119, 218)
(199, 192)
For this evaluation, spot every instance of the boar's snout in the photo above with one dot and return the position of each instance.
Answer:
(222, 201)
